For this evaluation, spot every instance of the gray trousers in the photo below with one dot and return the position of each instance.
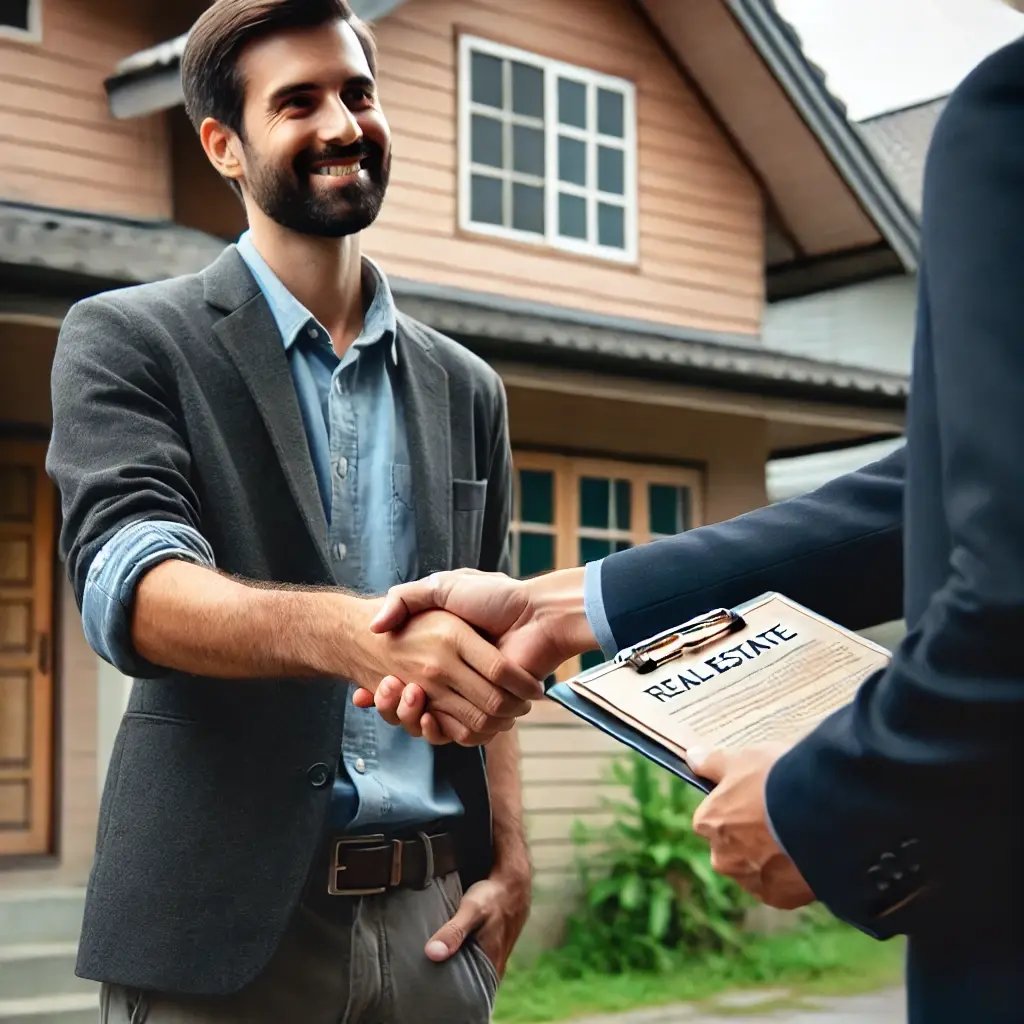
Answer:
(365, 966)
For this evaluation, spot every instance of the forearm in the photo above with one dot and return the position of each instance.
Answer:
(503, 777)
(196, 620)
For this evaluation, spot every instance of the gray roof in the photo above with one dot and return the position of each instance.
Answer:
(901, 139)
(103, 249)
(46, 247)
(498, 326)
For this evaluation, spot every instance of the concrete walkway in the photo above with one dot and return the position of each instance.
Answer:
(774, 1007)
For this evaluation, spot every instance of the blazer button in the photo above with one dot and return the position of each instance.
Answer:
(881, 883)
(319, 775)
(891, 865)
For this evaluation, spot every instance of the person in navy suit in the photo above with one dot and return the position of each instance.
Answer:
(903, 811)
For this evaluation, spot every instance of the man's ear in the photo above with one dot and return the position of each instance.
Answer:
(223, 148)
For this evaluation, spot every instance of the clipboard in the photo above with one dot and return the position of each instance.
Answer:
(788, 660)
(643, 658)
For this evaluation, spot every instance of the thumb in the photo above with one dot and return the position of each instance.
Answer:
(404, 601)
(362, 698)
(448, 939)
(708, 763)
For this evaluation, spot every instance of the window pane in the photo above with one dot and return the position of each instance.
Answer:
(591, 660)
(592, 549)
(486, 75)
(572, 160)
(14, 13)
(527, 90)
(611, 117)
(572, 102)
(623, 545)
(622, 502)
(536, 553)
(611, 170)
(536, 496)
(528, 208)
(572, 216)
(670, 508)
(594, 502)
(485, 200)
(611, 225)
(487, 146)
(528, 150)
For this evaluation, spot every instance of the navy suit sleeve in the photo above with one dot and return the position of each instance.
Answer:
(930, 749)
(837, 550)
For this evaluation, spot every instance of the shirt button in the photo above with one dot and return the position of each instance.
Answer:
(341, 467)
(339, 551)
(360, 765)
(313, 332)
(319, 775)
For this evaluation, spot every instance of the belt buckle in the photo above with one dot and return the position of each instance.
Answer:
(337, 867)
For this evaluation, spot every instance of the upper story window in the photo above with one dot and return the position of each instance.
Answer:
(19, 18)
(547, 151)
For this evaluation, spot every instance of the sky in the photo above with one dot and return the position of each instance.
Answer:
(881, 55)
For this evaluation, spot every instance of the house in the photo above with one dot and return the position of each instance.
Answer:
(598, 197)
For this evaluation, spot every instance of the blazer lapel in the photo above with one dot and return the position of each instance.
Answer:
(424, 390)
(250, 336)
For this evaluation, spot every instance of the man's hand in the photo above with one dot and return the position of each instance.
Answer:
(538, 624)
(474, 690)
(734, 820)
(493, 911)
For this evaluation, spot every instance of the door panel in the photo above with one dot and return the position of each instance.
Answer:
(26, 638)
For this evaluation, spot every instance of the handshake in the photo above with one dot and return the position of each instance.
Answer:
(480, 679)
(475, 682)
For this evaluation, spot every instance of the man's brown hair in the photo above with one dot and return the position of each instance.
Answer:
(210, 78)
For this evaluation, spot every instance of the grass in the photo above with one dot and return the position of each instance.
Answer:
(824, 959)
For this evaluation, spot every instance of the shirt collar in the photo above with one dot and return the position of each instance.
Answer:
(291, 316)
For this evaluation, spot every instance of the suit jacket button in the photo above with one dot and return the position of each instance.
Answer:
(319, 775)
(881, 883)
(891, 865)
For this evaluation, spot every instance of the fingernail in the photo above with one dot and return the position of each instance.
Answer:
(408, 697)
(437, 950)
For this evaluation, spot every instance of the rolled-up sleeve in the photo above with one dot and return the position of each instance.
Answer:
(112, 578)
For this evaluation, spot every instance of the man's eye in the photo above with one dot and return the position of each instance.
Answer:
(357, 96)
(297, 103)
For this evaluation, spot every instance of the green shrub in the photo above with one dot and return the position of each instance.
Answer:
(650, 893)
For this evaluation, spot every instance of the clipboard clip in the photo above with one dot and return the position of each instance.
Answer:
(679, 640)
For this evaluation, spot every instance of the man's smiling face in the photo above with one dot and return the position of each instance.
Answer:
(317, 148)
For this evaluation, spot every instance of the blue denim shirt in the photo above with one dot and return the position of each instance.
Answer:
(353, 421)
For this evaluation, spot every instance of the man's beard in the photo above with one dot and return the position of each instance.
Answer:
(289, 197)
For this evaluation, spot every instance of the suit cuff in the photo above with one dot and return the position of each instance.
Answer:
(112, 578)
(593, 605)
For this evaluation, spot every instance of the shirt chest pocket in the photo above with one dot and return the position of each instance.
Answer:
(469, 499)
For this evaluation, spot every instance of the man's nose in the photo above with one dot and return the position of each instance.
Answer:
(339, 124)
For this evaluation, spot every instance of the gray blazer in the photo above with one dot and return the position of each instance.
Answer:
(174, 401)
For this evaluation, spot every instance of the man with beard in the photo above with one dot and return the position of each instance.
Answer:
(242, 454)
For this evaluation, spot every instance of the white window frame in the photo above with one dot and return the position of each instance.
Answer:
(469, 44)
(34, 32)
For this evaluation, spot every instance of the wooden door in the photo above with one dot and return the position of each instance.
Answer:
(26, 650)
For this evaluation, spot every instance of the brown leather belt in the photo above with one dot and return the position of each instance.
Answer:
(372, 864)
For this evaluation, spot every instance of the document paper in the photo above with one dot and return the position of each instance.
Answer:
(775, 679)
